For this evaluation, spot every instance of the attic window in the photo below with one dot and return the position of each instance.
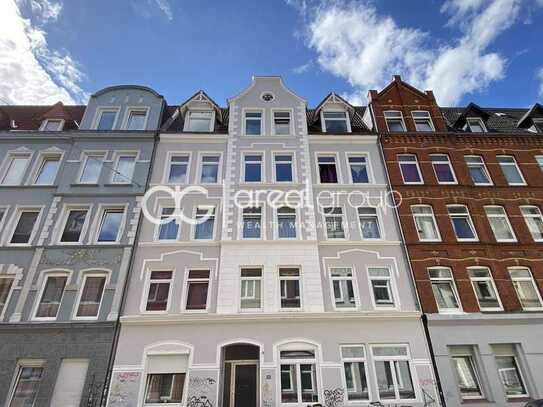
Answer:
(335, 122)
(52, 125)
(423, 121)
(199, 122)
(394, 120)
(475, 125)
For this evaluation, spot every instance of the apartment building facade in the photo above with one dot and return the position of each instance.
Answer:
(470, 184)
(291, 288)
(71, 178)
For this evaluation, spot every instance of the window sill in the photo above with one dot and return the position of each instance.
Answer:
(474, 401)
(123, 184)
(90, 184)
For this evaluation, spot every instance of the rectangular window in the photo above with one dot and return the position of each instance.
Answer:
(252, 223)
(499, 223)
(169, 227)
(425, 223)
(251, 288)
(73, 228)
(197, 290)
(205, 223)
(281, 122)
(511, 170)
(443, 169)
(358, 166)
(25, 227)
(485, 289)
(15, 171)
(286, 223)
(393, 371)
(333, 217)
(510, 376)
(110, 225)
(526, 288)
(283, 168)
(5, 290)
(47, 172)
(159, 291)
(534, 221)
(210, 169)
(136, 119)
(477, 170)
(409, 168)
(106, 120)
(26, 386)
(298, 377)
(354, 370)
(327, 170)
(200, 122)
(369, 223)
(444, 289)
(164, 388)
(423, 121)
(381, 285)
(253, 168)
(253, 123)
(289, 281)
(92, 167)
(178, 169)
(124, 170)
(462, 223)
(51, 296)
(335, 122)
(342, 285)
(52, 125)
(467, 377)
(394, 120)
(91, 296)
(539, 160)
(475, 125)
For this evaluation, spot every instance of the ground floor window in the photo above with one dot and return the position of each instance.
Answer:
(393, 372)
(466, 372)
(298, 377)
(354, 370)
(26, 386)
(165, 388)
(509, 370)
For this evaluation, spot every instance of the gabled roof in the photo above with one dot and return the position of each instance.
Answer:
(332, 97)
(471, 110)
(27, 117)
(535, 111)
(256, 78)
(397, 81)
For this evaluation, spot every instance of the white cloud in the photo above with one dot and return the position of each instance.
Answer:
(303, 68)
(152, 8)
(164, 6)
(540, 78)
(355, 42)
(31, 72)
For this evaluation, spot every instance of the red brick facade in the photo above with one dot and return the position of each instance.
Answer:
(449, 252)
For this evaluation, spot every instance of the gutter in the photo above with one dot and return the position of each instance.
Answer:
(408, 258)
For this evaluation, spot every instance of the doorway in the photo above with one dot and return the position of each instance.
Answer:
(240, 375)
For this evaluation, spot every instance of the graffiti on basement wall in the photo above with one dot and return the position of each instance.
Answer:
(124, 389)
(199, 402)
(333, 397)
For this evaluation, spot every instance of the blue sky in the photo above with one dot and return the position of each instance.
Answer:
(487, 51)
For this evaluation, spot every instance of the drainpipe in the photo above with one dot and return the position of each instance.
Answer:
(117, 332)
(406, 254)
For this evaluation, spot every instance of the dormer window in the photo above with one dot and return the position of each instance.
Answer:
(335, 122)
(52, 125)
(475, 125)
(106, 119)
(199, 122)
(423, 121)
(538, 126)
(137, 119)
(394, 120)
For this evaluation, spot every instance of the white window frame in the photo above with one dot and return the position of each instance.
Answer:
(354, 282)
(18, 211)
(186, 123)
(99, 221)
(86, 156)
(42, 158)
(502, 216)
(479, 121)
(86, 275)
(451, 168)
(335, 156)
(416, 163)
(527, 279)
(490, 279)
(43, 282)
(98, 115)
(357, 359)
(475, 368)
(378, 217)
(297, 362)
(262, 166)
(298, 278)
(401, 118)
(522, 379)
(167, 167)
(392, 289)
(539, 161)
(61, 223)
(526, 216)
(201, 156)
(117, 157)
(156, 237)
(369, 169)
(262, 122)
(452, 283)
(14, 283)
(21, 364)
(262, 221)
(344, 225)
(347, 118)
(292, 155)
(212, 216)
(8, 161)
(469, 220)
(260, 279)
(45, 122)
(147, 287)
(434, 220)
(291, 122)
(512, 164)
(137, 109)
(490, 182)
(185, 291)
(296, 224)
(429, 118)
